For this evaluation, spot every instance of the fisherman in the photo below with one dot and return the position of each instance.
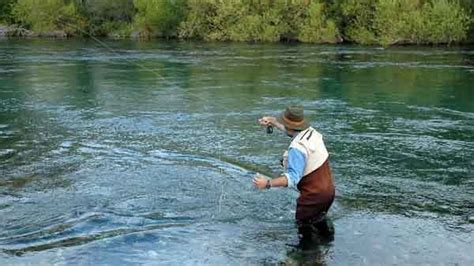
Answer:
(306, 168)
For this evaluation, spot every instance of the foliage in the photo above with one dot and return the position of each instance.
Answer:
(316, 27)
(445, 22)
(385, 22)
(198, 22)
(5, 10)
(48, 16)
(405, 21)
(106, 17)
(357, 17)
(258, 21)
(117, 29)
(158, 17)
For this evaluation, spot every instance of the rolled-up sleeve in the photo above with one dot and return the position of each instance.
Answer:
(296, 165)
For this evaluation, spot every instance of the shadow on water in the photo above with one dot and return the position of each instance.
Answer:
(81, 240)
(309, 252)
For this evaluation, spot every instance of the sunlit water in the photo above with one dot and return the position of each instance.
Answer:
(144, 154)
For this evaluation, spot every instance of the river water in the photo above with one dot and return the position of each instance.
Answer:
(143, 152)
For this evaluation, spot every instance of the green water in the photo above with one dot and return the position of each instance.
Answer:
(143, 153)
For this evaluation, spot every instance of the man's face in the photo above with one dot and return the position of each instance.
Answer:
(289, 132)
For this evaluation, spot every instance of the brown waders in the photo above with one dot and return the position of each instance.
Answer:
(316, 196)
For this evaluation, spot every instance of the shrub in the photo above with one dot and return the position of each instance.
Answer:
(397, 21)
(197, 24)
(107, 16)
(446, 22)
(48, 15)
(258, 21)
(389, 22)
(117, 29)
(5, 10)
(357, 20)
(159, 18)
(383, 22)
(316, 27)
(257, 25)
(231, 20)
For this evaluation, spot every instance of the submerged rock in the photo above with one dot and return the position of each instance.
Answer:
(15, 31)
(4, 31)
(53, 34)
(6, 153)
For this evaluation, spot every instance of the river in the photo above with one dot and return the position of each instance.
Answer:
(124, 153)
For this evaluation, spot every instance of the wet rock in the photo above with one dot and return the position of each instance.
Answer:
(7, 153)
(470, 219)
(4, 31)
(54, 34)
(15, 31)
(135, 35)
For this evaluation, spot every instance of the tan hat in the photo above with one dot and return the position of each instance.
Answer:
(293, 118)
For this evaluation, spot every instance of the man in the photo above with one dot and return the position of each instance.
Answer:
(306, 167)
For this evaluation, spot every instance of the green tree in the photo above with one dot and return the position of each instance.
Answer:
(445, 21)
(48, 15)
(106, 17)
(198, 21)
(358, 16)
(389, 22)
(385, 22)
(5, 10)
(259, 21)
(159, 18)
(316, 27)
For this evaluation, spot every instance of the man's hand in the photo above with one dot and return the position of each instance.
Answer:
(267, 121)
(271, 121)
(260, 181)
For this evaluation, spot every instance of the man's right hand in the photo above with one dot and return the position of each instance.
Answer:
(270, 121)
(267, 121)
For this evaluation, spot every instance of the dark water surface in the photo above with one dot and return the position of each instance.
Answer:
(145, 154)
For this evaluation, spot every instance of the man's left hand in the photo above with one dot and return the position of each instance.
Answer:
(260, 181)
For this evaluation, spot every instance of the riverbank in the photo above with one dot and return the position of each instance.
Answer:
(378, 22)
(16, 32)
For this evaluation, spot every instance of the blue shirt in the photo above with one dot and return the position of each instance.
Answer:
(296, 165)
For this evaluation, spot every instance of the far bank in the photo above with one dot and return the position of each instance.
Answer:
(369, 22)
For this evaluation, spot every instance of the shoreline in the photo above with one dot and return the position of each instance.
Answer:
(15, 32)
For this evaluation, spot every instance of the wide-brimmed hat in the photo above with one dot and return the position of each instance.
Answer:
(293, 118)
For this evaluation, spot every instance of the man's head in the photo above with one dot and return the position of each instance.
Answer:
(293, 120)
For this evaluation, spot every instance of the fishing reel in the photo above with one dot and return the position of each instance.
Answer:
(269, 129)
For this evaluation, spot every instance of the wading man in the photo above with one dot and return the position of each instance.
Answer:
(306, 168)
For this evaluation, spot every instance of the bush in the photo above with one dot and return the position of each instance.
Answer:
(258, 25)
(158, 18)
(197, 24)
(5, 10)
(48, 15)
(397, 21)
(117, 29)
(389, 22)
(446, 22)
(107, 16)
(258, 21)
(358, 16)
(383, 22)
(316, 27)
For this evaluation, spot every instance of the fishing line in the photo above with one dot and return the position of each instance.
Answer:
(62, 21)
